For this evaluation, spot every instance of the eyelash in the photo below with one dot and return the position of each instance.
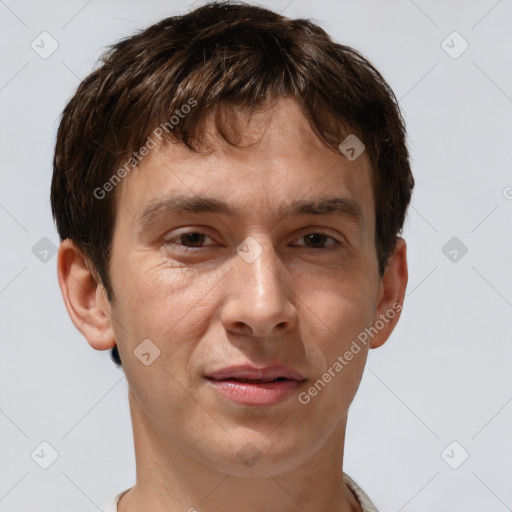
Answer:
(169, 242)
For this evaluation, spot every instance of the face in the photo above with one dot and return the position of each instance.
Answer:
(255, 285)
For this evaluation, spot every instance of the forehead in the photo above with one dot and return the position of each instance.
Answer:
(278, 162)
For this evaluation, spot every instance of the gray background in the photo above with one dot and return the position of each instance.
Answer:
(443, 376)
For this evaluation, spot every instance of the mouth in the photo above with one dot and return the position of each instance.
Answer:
(248, 385)
(255, 381)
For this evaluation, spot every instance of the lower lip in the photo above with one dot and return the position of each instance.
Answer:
(247, 393)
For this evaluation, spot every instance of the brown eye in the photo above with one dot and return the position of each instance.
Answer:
(187, 240)
(319, 240)
(193, 239)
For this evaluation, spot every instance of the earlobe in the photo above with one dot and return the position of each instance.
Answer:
(391, 295)
(84, 297)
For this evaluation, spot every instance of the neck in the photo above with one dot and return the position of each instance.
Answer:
(171, 480)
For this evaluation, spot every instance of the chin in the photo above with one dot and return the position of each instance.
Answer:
(255, 455)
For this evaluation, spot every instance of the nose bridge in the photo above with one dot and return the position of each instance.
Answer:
(261, 266)
(259, 289)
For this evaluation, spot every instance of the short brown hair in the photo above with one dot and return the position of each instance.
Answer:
(222, 53)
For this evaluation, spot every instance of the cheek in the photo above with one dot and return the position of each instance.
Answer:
(338, 306)
(334, 315)
(172, 307)
(333, 334)
(158, 299)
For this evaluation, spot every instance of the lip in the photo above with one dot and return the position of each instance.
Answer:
(249, 385)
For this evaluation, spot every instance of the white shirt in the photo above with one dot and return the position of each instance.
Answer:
(364, 501)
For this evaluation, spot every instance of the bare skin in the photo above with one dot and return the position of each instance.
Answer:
(301, 303)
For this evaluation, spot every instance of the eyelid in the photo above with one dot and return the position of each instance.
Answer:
(335, 235)
(201, 231)
(336, 243)
(303, 232)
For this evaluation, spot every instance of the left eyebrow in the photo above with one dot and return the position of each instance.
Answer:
(324, 206)
(179, 203)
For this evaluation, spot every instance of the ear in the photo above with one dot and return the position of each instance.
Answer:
(85, 297)
(391, 295)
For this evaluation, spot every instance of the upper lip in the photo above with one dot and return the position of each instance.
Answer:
(249, 372)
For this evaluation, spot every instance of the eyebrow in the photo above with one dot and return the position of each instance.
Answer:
(180, 203)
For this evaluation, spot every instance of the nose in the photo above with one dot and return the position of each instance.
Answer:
(259, 295)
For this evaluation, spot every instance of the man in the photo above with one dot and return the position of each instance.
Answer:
(229, 186)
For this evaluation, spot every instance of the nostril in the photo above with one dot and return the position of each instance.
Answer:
(243, 328)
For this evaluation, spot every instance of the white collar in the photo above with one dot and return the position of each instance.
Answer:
(364, 501)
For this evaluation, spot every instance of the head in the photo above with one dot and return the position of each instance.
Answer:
(225, 124)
